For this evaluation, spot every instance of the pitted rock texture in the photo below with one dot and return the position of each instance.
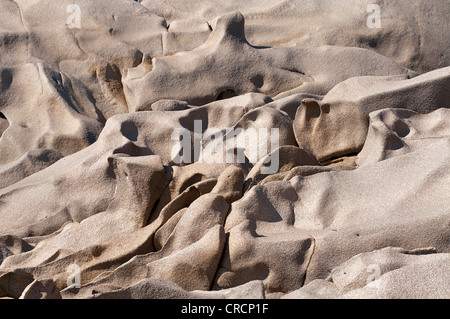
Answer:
(224, 149)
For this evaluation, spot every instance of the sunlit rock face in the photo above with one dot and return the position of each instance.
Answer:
(224, 149)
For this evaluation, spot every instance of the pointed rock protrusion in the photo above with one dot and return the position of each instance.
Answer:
(227, 27)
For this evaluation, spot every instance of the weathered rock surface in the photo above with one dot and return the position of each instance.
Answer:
(224, 149)
(418, 40)
(388, 273)
(208, 72)
(336, 125)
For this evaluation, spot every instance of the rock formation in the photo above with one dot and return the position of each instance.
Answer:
(224, 149)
